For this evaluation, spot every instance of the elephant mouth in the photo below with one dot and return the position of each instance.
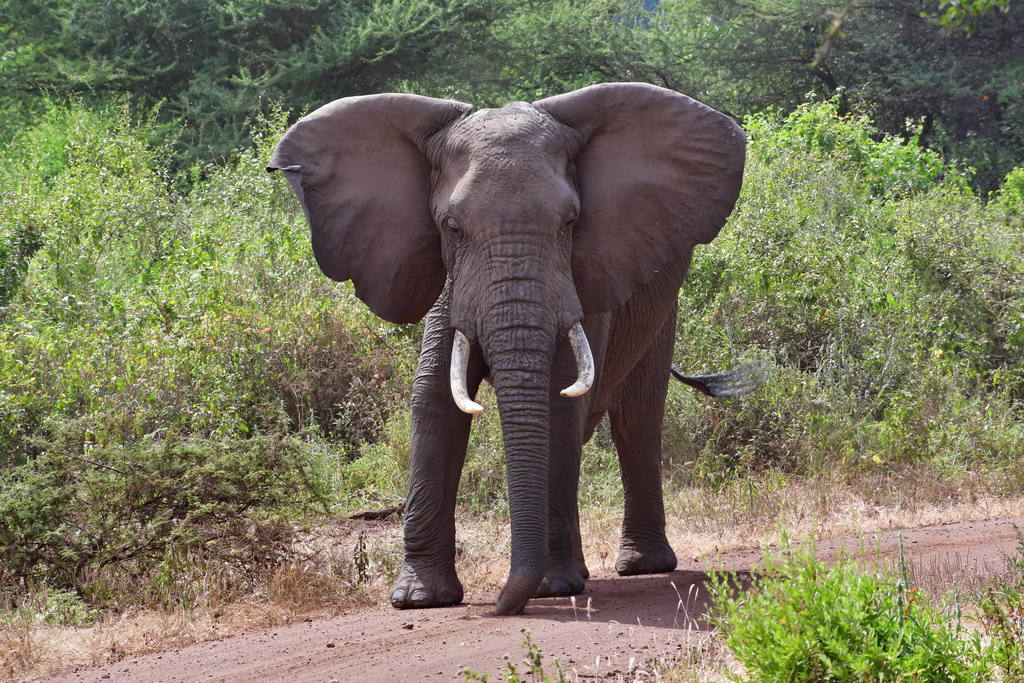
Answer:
(460, 362)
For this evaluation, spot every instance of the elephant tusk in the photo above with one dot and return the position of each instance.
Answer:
(457, 376)
(584, 362)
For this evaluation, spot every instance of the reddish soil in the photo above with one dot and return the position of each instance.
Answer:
(632, 622)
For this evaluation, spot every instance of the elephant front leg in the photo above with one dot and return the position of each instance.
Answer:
(566, 571)
(440, 434)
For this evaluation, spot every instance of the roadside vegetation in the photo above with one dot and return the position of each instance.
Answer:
(188, 407)
(854, 621)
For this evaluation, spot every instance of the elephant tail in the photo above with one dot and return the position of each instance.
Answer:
(738, 381)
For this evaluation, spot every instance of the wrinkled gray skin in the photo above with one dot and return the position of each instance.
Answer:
(581, 207)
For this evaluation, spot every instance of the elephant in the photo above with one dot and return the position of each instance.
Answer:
(546, 244)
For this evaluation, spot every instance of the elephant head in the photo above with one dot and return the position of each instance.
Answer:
(538, 214)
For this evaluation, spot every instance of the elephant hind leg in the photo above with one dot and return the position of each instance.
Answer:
(636, 418)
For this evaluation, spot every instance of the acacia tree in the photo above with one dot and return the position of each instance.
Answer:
(211, 64)
(898, 61)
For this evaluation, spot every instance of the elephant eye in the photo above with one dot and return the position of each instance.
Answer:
(453, 225)
(570, 218)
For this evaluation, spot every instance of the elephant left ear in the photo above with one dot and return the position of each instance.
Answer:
(658, 174)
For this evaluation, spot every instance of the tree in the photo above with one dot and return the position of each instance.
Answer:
(211, 64)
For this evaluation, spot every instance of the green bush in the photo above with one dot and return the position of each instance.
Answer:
(86, 518)
(881, 294)
(885, 166)
(1011, 195)
(146, 312)
(802, 620)
(179, 379)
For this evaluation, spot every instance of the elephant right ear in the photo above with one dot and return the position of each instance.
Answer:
(361, 175)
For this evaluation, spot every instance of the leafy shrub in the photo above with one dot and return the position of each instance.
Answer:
(883, 294)
(802, 620)
(1011, 195)
(76, 517)
(1002, 607)
(885, 165)
(54, 607)
(178, 377)
(147, 312)
(17, 245)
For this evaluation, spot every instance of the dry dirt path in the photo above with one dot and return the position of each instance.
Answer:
(632, 622)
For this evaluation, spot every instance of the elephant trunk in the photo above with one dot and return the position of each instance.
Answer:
(518, 342)
(523, 403)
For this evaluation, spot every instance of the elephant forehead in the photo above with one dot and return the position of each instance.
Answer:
(517, 130)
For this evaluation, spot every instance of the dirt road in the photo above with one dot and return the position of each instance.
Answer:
(631, 623)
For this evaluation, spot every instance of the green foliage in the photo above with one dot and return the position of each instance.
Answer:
(382, 467)
(178, 377)
(959, 92)
(883, 293)
(1011, 194)
(805, 621)
(143, 312)
(1002, 607)
(47, 606)
(86, 517)
(960, 14)
(886, 166)
(213, 65)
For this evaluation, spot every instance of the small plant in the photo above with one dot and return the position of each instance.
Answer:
(805, 621)
(1002, 607)
(1011, 195)
(50, 607)
(533, 659)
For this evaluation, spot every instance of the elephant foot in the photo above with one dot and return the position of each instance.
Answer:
(561, 581)
(517, 591)
(581, 569)
(645, 557)
(432, 588)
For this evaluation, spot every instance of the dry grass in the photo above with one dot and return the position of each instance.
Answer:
(350, 565)
(341, 567)
(753, 512)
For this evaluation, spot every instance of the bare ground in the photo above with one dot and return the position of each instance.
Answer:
(632, 626)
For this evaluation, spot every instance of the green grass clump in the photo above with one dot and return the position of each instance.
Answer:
(805, 621)
(1002, 608)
